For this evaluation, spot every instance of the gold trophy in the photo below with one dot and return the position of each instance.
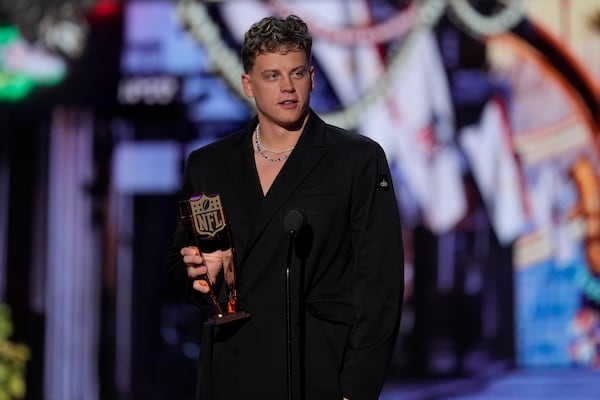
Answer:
(206, 228)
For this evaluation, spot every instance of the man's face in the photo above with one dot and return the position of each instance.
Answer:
(280, 84)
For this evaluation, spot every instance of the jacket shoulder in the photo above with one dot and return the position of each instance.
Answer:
(229, 141)
(352, 139)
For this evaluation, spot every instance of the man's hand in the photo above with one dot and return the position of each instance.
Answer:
(199, 266)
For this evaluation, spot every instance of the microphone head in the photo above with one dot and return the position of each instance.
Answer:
(293, 221)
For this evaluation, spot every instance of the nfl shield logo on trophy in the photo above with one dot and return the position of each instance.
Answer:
(209, 217)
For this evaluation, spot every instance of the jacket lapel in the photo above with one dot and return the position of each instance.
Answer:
(241, 172)
(306, 155)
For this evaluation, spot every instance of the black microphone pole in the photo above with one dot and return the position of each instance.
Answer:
(294, 219)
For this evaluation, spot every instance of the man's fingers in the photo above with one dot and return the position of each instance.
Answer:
(189, 251)
(191, 256)
(194, 260)
(197, 271)
(199, 265)
(200, 285)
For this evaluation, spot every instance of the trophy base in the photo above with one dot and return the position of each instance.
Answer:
(228, 318)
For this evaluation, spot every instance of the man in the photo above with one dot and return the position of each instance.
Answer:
(346, 262)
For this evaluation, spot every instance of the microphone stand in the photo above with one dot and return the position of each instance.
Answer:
(293, 222)
(288, 313)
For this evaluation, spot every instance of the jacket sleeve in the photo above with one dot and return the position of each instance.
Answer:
(378, 277)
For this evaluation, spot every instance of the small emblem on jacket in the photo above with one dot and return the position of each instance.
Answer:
(383, 183)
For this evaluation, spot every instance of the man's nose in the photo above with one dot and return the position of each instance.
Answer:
(287, 84)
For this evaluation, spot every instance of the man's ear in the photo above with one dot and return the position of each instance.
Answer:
(247, 86)
(312, 78)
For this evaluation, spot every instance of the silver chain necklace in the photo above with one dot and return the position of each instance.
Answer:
(262, 149)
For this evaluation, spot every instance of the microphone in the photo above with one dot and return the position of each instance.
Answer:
(292, 223)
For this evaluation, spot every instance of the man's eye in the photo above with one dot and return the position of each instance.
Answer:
(272, 77)
(298, 74)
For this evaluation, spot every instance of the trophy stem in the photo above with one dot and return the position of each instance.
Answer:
(213, 297)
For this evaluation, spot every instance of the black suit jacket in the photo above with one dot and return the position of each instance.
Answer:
(347, 267)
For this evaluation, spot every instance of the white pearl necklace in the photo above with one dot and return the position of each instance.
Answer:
(262, 149)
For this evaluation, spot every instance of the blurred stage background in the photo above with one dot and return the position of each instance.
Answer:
(488, 111)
